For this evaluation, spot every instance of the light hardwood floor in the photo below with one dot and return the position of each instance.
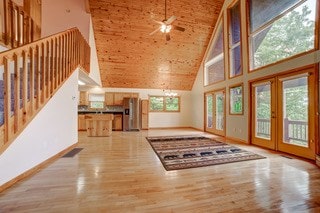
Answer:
(121, 173)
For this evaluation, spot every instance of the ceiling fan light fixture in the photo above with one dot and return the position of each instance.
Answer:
(165, 28)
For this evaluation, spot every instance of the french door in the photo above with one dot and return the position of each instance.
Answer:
(283, 113)
(215, 112)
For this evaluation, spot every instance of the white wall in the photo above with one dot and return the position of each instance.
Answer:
(60, 15)
(94, 64)
(160, 119)
(51, 131)
(197, 96)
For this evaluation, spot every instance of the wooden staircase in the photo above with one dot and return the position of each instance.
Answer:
(32, 71)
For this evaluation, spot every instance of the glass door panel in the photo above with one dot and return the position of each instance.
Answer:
(263, 111)
(297, 114)
(209, 111)
(215, 112)
(263, 116)
(219, 112)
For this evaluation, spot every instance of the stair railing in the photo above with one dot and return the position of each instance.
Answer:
(32, 73)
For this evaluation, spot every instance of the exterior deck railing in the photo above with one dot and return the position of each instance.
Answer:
(293, 130)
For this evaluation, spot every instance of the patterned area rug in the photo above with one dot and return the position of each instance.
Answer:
(182, 152)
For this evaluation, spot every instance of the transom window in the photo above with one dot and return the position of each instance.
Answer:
(214, 65)
(280, 29)
(164, 104)
(234, 41)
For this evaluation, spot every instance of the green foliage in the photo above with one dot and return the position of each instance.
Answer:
(172, 103)
(164, 103)
(288, 36)
(156, 103)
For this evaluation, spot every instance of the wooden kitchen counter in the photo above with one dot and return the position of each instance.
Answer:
(99, 125)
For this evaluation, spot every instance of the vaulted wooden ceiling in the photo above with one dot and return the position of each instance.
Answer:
(130, 58)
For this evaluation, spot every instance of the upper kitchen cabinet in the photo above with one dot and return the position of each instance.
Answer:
(116, 98)
(83, 98)
(109, 98)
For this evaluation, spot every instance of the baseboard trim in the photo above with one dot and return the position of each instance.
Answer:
(318, 160)
(236, 140)
(178, 127)
(36, 168)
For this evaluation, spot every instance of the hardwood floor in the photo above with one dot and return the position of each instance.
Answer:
(121, 173)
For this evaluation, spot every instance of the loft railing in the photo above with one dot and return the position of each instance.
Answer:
(31, 74)
(17, 27)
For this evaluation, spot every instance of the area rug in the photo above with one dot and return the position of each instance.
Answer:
(182, 152)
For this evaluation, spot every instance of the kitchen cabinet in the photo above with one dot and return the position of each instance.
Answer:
(116, 98)
(83, 98)
(117, 122)
(109, 98)
(144, 114)
(81, 123)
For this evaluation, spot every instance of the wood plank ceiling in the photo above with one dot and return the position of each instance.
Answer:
(130, 58)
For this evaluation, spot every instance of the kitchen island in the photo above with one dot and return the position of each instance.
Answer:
(98, 125)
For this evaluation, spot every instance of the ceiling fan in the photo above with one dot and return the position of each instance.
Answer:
(166, 25)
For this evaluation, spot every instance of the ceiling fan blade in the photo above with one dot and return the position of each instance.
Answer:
(159, 22)
(168, 37)
(179, 28)
(155, 31)
(170, 20)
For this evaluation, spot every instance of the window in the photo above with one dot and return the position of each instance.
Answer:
(164, 104)
(280, 29)
(236, 100)
(97, 104)
(234, 41)
(214, 66)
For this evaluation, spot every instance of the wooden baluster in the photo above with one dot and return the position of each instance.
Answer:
(47, 70)
(16, 99)
(32, 79)
(19, 25)
(51, 66)
(7, 100)
(43, 73)
(24, 86)
(11, 23)
(6, 21)
(59, 61)
(38, 76)
(56, 64)
(63, 58)
(67, 55)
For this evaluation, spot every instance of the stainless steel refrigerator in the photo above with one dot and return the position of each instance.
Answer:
(131, 114)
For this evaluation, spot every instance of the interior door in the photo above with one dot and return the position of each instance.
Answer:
(283, 113)
(215, 112)
(264, 113)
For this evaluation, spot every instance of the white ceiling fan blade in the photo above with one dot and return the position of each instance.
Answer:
(155, 31)
(170, 20)
(159, 22)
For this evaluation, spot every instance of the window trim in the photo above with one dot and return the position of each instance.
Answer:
(164, 103)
